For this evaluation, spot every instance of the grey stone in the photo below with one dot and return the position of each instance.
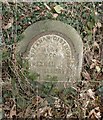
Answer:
(52, 48)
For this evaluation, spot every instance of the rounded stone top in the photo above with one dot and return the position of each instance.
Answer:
(52, 48)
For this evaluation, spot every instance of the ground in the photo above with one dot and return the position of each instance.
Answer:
(84, 101)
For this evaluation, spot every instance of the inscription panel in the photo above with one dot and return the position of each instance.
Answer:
(51, 55)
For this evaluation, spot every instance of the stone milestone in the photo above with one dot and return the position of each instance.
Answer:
(52, 48)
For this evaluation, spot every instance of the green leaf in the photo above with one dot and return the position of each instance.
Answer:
(33, 76)
(21, 102)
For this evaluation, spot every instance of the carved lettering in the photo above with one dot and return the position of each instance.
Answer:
(51, 55)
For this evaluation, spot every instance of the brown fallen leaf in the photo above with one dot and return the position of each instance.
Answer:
(58, 9)
(86, 75)
(45, 110)
(9, 24)
(96, 45)
(92, 65)
(5, 1)
(28, 111)
(36, 100)
(91, 94)
(95, 114)
(13, 111)
(55, 15)
(47, 6)
(99, 25)
(98, 69)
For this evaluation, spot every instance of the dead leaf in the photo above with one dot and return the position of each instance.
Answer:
(47, 6)
(21, 114)
(13, 111)
(94, 29)
(98, 69)
(96, 45)
(37, 8)
(42, 13)
(6, 2)
(11, 20)
(55, 15)
(58, 8)
(28, 111)
(99, 25)
(45, 110)
(95, 113)
(92, 65)
(91, 94)
(9, 24)
(86, 75)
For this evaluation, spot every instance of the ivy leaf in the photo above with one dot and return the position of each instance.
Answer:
(33, 76)
(21, 102)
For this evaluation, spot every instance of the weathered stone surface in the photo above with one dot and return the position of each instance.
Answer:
(53, 48)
